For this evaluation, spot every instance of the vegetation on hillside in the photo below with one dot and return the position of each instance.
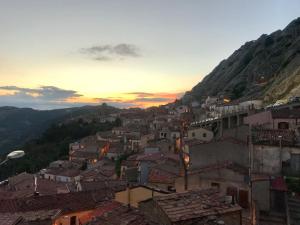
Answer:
(51, 146)
(20, 125)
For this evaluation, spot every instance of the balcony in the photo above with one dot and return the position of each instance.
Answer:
(274, 137)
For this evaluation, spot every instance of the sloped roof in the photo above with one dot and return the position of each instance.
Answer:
(101, 209)
(157, 176)
(221, 165)
(63, 172)
(114, 185)
(9, 219)
(27, 188)
(69, 202)
(84, 154)
(121, 215)
(193, 205)
(285, 114)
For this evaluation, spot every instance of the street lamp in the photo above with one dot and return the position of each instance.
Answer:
(13, 155)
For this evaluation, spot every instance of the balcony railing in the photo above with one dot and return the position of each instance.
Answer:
(273, 137)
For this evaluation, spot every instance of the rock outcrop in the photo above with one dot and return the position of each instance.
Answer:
(267, 68)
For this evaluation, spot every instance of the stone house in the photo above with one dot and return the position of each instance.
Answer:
(61, 174)
(134, 195)
(201, 134)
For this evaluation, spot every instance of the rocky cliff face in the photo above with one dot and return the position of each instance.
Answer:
(267, 68)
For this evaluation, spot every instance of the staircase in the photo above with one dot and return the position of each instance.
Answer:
(272, 218)
(294, 210)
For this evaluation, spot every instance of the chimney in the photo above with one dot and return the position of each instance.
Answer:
(128, 195)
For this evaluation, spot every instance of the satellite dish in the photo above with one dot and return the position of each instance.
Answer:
(16, 154)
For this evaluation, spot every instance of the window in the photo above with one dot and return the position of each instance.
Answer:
(73, 220)
(283, 125)
(215, 185)
(243, 198)
(193, 134)
(204, 135)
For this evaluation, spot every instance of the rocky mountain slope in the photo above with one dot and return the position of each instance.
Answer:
(267, 68)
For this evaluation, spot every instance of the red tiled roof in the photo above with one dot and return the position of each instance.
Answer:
(40, 217)
(160, 176)
(114, 185)
(69, 202)
(100, 173)
(172, 156)
(157, 156)
(9, 219)
(121, 215)
(63, 172)
(150, 156)
(278, 184)
(102, 208)
(19, 178)
(84, 154)
(26, 188)
(221, 165)
(194, 205)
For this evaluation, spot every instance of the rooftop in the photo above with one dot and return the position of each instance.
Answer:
(85, 154)
(39, 217)
(27, 188)
(62, 172)
(221, 165)
(114, 185)
(69, 202)
(194, 204)
(121, 215)
(286, 113)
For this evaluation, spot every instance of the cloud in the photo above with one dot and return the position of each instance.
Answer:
(44, 92)
(140, 99)
(45, 97)
(111, 52)
(152, 99)
(140, 94)
(51, 97)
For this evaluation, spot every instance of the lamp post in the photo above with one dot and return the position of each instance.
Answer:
(13, 155)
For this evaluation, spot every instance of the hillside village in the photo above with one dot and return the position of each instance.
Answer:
(220, 162)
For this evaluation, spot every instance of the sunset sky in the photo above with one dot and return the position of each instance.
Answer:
(63, 53)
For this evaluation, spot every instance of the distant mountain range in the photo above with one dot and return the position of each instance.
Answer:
(267, 68)
(19, 125)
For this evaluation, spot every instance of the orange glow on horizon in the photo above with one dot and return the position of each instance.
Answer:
(132, 99)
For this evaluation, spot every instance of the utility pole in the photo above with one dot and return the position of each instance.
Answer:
(185, 159)
(280, 153)
(250, 173)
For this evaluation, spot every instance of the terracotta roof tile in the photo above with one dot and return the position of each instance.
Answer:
(194, 204)
(121, 215)
(9, 219)
(67, 202)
